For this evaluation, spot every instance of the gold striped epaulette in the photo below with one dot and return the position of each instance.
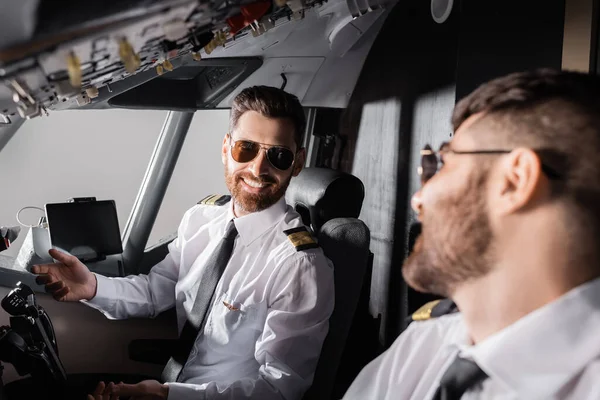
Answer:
(301, 238)
(434, 309)
(215, 200)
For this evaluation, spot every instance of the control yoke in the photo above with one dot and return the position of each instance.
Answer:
(29, 343)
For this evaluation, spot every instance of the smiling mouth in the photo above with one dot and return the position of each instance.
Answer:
(254, 184)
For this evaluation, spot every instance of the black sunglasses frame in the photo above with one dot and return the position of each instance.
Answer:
(430, 156)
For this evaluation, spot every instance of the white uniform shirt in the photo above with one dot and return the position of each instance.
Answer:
(552, 353)
(268, 345)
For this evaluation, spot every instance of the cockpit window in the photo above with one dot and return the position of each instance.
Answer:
(102, 154)
(198, 173)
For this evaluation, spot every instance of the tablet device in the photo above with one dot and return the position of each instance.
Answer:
(89, 230)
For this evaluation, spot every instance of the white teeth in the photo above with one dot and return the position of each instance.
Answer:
(253, 184)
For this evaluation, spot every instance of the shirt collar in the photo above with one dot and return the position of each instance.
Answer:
(537, 355)
(253, 225)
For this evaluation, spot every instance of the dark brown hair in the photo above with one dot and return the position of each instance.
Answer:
(552, 112)
(526, 91)
(270, 102)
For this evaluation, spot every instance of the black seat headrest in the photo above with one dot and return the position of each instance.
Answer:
(321, 194)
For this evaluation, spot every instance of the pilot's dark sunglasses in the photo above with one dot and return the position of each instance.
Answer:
(279, 157)
(432, 161)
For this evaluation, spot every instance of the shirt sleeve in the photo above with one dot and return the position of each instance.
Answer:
(142, 295)
(288, 349)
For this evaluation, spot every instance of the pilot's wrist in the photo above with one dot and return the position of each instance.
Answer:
(93, 287)
(164, 391)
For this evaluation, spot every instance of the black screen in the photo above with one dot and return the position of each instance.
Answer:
(85, 229)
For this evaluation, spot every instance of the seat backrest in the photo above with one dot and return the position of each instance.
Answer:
(345, 242)
(330, 202)
(322, 194)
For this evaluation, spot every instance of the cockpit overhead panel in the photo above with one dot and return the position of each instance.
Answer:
(60, 54)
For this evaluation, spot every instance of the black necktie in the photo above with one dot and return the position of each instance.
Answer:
(206, 290)
(458, 378)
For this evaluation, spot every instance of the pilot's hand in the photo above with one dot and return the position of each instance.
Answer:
(145, 390)
(103, 392)
(68, 279)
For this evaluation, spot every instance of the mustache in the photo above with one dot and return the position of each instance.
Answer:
(262, 179)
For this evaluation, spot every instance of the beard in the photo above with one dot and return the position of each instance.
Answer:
(254, 202)
(455, 242)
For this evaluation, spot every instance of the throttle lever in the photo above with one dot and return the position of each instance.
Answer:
(25, 291)
(16, 303)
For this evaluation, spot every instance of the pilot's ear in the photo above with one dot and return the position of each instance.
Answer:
(518, 181)
(225, 148)
(299, 161)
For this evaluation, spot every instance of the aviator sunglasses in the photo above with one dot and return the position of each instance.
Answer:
(244, 151)
(432, 161)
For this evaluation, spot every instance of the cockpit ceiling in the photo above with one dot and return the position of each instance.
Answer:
(69, 54)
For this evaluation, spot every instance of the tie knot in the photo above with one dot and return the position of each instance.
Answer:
(459, 377)
(230, 231)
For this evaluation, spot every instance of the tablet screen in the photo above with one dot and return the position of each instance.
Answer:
(87, 229)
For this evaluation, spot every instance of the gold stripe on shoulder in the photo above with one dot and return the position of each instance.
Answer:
(215, 200)
(204, 199)
(207, 199)
(424, 312)
(301, 238)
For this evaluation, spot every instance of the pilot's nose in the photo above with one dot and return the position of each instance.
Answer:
(260, 165)
(416, 202)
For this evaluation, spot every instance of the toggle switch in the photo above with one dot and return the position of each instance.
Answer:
(74, 70)
(130, 59)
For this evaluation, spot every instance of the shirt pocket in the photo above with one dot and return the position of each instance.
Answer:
(234, 324)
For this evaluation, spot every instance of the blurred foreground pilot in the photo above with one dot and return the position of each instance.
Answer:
(511, 234)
